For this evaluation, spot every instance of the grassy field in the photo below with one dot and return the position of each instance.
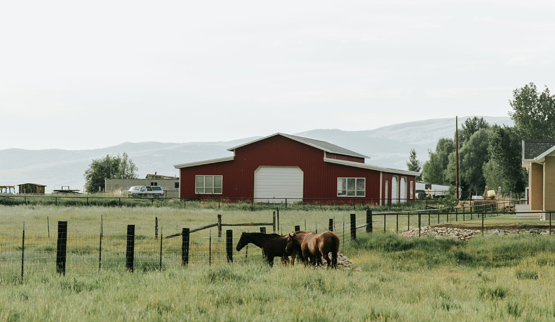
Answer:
(424, 279)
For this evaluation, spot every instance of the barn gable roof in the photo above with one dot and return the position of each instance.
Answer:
(320, 145)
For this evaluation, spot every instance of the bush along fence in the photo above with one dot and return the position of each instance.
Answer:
(83, 253)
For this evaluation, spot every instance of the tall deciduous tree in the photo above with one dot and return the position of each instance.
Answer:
(534, 113)
(444, 147)
(471, 126)
(432, 172)
(474, 154)
(505, 149)
(110, 167)
(472, 158)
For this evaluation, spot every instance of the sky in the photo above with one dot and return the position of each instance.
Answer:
(91, 74)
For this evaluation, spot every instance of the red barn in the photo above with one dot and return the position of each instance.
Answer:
(288, 168)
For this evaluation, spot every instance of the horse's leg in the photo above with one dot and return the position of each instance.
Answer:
(305, 257)
(270, 260)
(328, 260)
(285, 259)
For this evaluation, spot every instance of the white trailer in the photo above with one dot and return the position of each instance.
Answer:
(431, 190)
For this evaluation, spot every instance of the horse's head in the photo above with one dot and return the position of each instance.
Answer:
(242, 242)
(290, 247)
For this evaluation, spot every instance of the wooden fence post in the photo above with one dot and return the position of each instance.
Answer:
(331, 224)
(369, 221)
(229, 245)
(130, 251)
(263, 230)
(353, 227)
(274, 222)
(419, 223)
(61, 248)
(185, 234)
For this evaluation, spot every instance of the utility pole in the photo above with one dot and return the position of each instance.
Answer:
(457, 157)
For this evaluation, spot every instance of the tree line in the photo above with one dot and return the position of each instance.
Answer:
(491, 155)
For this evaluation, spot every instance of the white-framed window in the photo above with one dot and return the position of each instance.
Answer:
(208, 184)
(351, 187)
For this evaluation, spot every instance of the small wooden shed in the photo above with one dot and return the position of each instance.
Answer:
(33, 188)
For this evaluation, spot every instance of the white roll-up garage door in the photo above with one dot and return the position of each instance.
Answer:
(276, 184)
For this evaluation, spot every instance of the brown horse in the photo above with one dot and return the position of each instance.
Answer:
(313, 246)
(273, 245)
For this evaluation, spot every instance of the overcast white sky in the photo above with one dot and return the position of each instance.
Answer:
(82, 75)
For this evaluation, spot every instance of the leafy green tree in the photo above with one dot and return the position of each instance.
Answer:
(471, 126)
(493, 175)
(432, 171)
(534, 113)
(505, 149)
(413, 164)
(473, 155)
(444, 147)
(110, 167)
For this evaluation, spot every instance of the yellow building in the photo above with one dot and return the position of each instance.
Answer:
(538, 157)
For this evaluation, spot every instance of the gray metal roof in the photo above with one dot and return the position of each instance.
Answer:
(534, 148)
(321, 145)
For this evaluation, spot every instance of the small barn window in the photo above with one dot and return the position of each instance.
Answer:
(351, 187)
(208, 184)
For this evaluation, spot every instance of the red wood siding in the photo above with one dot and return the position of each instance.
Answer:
(344, 157)
(320, 178)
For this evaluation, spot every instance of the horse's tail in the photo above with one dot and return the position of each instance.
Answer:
(334, 250)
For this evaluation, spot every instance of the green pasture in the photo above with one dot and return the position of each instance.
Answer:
(423, 279)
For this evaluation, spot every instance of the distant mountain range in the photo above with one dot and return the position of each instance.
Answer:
(387, 146)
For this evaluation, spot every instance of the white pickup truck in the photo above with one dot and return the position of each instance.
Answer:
(146, 192)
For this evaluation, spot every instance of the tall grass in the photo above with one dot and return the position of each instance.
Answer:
(423, 279)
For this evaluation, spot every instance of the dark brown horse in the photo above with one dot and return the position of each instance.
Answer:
(273, 245)
(313, 246)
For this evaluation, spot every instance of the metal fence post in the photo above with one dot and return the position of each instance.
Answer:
(369, 221)
(297, 228)
(229, 245)
(161, 239)
(353, 227)
(61, 248)
(156, 228)
(185, 234)
(330, 228)
(130, 250)
(100, 243)
(23, 252)
(219, 225)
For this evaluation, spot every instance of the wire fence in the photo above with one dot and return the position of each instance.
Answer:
(80, 251)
